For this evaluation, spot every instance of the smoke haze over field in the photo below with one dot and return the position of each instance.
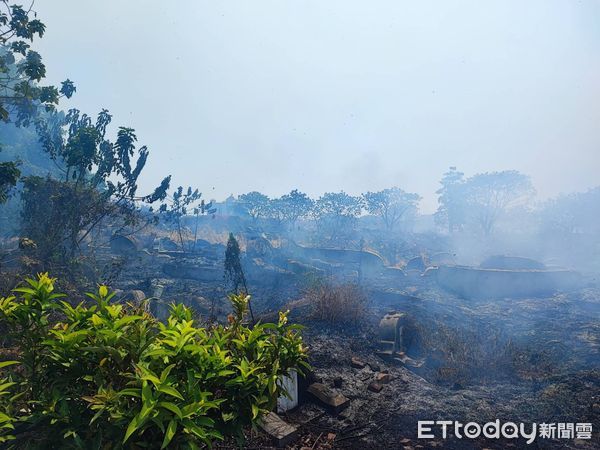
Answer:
(321, 96)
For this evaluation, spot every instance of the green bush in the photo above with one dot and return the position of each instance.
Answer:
(7, 401)
(111, 376)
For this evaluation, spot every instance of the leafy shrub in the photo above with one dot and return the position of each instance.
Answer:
(337, 303)
(111, 376)
(7, 399)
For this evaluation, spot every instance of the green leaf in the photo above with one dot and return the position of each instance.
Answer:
(146, 393)
(133, 425)
(24, 290)
(5, 386)
(169, 390)
(190, 409)
(170, 433)
(149, 376)
(165, 373)
(125, 320)
(171, 407)
(96, 320)
(7, 363)
(205, 421)
(131, 392)
(193, 428)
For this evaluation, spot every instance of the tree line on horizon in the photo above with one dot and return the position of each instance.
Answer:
(72, 178)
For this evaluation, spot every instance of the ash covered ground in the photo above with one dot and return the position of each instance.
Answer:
(547, 371)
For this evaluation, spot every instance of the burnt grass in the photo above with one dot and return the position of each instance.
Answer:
(518, 360)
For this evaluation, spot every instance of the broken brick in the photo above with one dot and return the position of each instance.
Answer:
(335, 401)
(374, 386)
(383, 378)
(357, 363)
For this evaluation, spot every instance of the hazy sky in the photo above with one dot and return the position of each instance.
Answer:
(321, 95)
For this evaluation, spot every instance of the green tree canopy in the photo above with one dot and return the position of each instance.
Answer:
(290, 207)
(479, 201)
(21, 70)
(391, 205)
(255, 204)
(98, 181)
(336, 213)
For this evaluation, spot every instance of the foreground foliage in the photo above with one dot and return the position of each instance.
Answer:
(108, 375)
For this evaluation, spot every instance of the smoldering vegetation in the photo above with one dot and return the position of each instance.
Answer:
(488, 308)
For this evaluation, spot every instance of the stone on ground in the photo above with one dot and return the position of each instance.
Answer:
(357, 363)
(280, 431)
(333, 400)
(383, 378)
(374, 386)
